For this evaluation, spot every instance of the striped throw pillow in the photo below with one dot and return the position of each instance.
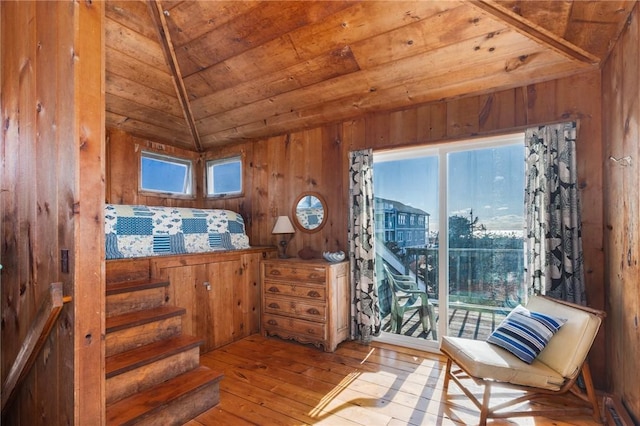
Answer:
(525, 334)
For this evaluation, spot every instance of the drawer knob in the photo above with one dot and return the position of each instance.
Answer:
(311, 331)
(272, 322)
(274, 305)
(274, 272)
(274, 289)
(313, 293)
(313, 311)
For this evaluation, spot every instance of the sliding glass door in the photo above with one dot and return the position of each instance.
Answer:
(450, 246)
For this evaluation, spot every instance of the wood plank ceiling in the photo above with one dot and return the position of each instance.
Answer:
(202, 74)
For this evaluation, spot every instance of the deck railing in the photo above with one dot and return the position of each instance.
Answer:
(484, 285)
(486, 276)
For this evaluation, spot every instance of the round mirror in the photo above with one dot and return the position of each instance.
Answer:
(310, 212)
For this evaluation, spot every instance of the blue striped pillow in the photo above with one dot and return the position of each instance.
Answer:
(525, 334)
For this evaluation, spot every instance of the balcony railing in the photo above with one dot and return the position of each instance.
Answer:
(484, 285)
(486, 276)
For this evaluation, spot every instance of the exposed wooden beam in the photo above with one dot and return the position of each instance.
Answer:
(157, 13)
(535, 32)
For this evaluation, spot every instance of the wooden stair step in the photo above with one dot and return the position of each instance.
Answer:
(130, 296)
(141, 368)
(133, 319)
(172, 402)
(134, 329)
(128, 286)
(143, 355)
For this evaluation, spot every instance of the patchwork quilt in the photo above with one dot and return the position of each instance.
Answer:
(140, 231)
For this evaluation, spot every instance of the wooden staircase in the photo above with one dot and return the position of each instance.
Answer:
(153, 372)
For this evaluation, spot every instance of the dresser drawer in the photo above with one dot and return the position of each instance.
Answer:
(306, 300)
(313, 292)
(296, 307)
(294, 273)
(300, 327)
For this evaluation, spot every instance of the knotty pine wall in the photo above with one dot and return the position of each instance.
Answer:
(621, 129)
(52, 190)
(573, 98)
(278, 169)
(123, 158)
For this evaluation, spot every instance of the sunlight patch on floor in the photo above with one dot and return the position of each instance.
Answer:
(330, 396)
(368, 355)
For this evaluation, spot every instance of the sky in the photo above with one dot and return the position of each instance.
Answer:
(162, 175)
(165, 175)
(226, 177)
(490, 181)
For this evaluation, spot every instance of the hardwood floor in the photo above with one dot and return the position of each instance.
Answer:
(269, 381)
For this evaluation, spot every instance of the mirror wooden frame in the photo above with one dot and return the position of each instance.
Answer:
(325, 213)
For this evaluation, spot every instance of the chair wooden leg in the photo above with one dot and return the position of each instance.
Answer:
(447, 376)
(591, 393)
(484, 411)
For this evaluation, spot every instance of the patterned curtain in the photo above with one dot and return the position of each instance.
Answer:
(554, 239)
(365, 309)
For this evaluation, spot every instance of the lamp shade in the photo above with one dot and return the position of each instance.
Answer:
(283, 226)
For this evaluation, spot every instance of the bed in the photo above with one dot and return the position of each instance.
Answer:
(139, 231)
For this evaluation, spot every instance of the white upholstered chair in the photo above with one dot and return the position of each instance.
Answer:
(553, 372)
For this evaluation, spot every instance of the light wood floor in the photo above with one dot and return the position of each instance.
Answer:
(269, 381)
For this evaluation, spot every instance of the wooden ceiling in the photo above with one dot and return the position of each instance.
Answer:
(202, 74)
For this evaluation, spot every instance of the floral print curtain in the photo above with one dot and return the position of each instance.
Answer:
(365, 309)
(554, 239)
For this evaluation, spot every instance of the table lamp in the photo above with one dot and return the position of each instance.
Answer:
(283, 227)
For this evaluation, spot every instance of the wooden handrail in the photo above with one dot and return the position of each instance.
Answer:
(34, 340)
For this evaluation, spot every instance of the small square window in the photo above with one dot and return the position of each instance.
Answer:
(165, 174)
(224, 177)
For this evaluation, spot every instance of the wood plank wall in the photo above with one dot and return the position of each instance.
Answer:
(621, 128)
(52, 141)
(123, 157)
(572, 98)
(278, 169)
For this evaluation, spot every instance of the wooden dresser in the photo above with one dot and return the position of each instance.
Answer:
(306, 300)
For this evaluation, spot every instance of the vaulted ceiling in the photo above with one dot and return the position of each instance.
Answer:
(202, 74)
